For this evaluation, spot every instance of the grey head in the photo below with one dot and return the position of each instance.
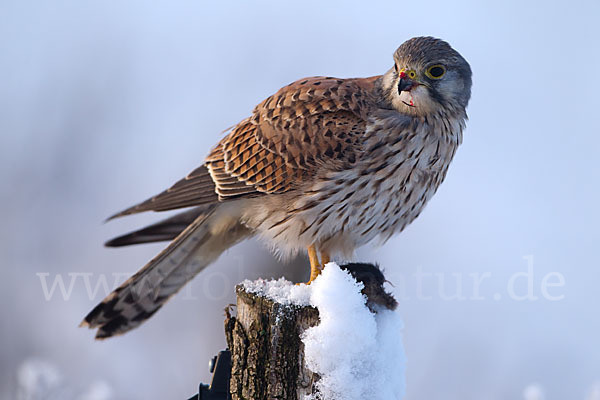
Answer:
(428, 76)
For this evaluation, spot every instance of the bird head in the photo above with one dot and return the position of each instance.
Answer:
(428, 75)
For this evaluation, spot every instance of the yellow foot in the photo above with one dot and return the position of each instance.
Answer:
(315, 266)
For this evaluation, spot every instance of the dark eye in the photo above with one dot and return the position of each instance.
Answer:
(435, 71)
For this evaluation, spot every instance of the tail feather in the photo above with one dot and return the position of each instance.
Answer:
(196, 189)
(167, 229)
(138, 298)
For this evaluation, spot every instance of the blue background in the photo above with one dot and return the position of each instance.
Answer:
(103, 104)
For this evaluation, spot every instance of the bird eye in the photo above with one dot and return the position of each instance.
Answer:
(435, 71)
(412, 74)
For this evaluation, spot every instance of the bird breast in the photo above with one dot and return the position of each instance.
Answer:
(401, 167)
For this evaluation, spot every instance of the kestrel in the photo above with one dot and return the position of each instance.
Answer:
(324, 164)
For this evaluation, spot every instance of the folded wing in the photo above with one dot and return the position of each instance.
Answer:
(287, 139)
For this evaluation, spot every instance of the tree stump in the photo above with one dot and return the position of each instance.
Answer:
(264, 338)
(266, 349)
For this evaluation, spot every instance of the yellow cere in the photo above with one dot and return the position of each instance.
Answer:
(410, 73)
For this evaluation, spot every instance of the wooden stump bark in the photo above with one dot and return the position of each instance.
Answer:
(267, 353)
(266, 350)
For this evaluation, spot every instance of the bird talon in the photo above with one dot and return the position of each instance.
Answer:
(315, 266)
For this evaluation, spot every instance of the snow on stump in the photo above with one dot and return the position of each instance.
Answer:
(337, 338)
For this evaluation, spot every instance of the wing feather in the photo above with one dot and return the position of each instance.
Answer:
(195, 189)
(290, 135)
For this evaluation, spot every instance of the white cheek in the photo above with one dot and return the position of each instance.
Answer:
(415, 102)
(422, 100)
(420, 96)
(407, 98)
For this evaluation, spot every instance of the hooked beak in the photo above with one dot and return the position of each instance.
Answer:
(406, 84)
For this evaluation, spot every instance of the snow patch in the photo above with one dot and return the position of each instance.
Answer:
(358, 354)
(41, 380)
(36, 378)
(594, 392)
(533, 392)
(281, 291)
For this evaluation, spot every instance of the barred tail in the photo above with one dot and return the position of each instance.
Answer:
(138, 298)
